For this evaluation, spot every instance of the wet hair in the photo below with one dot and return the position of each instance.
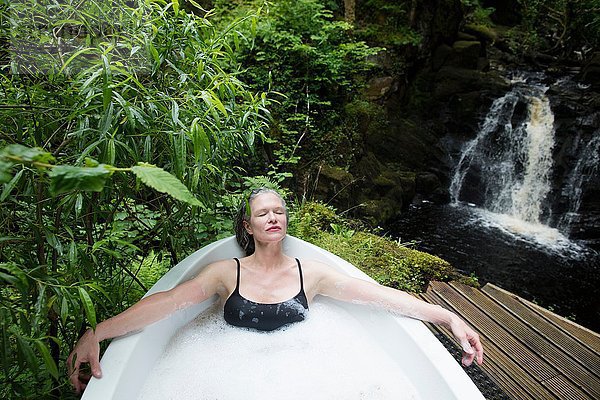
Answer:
(244, 239)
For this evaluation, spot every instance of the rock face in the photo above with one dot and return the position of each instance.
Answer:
(591, 71)
(575, 195)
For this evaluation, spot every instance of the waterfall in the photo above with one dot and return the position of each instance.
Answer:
(510, 160)
(588, 163)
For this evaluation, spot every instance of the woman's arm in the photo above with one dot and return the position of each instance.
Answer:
(342, 287)
(148, 310)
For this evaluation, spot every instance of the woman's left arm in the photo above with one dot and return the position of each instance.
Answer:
(342, 287)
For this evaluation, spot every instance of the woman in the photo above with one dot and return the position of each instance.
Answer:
(264, 290)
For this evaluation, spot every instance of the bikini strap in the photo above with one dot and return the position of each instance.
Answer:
(237, 285)
(301, 278)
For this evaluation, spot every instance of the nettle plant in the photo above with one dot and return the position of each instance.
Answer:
(120, 124)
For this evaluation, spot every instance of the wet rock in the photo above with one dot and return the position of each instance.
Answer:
(378, 211)
(465, 54)
(591, 71)
(440, 55)
(334, 182)
(380, 87)
(429, 187)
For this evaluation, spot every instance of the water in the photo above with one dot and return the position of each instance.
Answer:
(532, 260)
(501, 226)
(509, 162)
(329, 356)
(586, 168)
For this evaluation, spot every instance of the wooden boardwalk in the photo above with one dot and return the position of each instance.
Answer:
(530, 353)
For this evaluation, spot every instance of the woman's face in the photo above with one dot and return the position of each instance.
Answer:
(268, 221)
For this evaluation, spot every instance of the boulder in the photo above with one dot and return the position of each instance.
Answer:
(334, 182)
(379, 211)
(465, 54)
(380, 87)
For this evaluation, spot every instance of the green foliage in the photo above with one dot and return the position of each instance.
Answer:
(164, 182)
(135, 85)
(64, 178)
(387, 23)
(299, 52)
(558, 26)
(93, 178)
(388, 262)
(475, 13)
(312, 218)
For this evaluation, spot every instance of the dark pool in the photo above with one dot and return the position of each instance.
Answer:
(554, 272)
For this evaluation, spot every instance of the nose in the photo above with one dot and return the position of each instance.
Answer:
(271, 216)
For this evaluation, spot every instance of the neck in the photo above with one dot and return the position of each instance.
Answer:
(269, 255)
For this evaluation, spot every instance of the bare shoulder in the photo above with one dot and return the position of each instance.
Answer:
(318, 268)
(318, 275)
(218, 277)
(219, 269)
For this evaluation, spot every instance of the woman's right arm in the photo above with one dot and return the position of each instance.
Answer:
(148, 310)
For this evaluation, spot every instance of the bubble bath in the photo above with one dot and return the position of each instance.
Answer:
(329, 356)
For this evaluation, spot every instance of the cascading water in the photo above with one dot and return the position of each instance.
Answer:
(513, 161)
(525, 200)
(588, 165)
(506, 169)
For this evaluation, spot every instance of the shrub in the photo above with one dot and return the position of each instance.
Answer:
(388, 262)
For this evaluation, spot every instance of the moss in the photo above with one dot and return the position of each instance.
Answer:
(336, 174)
(383, 181)
(383, 209)
(482, 31)
(311, 219)
(383, 259)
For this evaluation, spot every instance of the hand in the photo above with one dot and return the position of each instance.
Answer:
(87, 350)
(469, 341)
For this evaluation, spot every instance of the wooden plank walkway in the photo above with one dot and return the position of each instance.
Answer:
(530, 353)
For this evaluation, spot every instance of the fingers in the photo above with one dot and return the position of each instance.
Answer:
(74, 378)
(78, 379)
(468, 352)
(95, 367)
(472, 349)
(470, 343)
(478, 351)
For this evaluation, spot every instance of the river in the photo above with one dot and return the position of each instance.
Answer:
(542, 266)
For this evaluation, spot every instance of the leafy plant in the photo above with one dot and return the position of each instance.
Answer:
(312, 64)
(149, 87)
(559, 26)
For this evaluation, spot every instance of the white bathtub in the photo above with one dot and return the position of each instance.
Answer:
(128, 360)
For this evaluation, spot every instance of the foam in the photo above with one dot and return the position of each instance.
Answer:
(548, 238)
(329, 356)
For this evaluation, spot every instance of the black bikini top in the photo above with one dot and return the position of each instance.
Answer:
(239, 311)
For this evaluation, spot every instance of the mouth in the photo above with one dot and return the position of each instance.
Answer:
(274, 229)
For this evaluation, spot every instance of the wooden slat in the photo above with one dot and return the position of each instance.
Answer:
(578, 352)
(540, 344)
(508, 373)
(569, 392)
(492, 369)
(497, 332)
(586, 337)
(516, 386)
(530, 352)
